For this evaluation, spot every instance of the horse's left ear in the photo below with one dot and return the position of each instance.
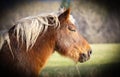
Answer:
(65, 15)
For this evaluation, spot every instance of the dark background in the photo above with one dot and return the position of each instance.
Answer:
(97, 20)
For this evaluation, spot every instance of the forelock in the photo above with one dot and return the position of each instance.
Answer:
(71, 18)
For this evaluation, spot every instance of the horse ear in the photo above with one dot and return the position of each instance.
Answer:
(65, 15)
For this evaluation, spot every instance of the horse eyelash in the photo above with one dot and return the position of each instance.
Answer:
(71, 29)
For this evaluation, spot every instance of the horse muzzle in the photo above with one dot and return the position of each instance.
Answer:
(85, 56)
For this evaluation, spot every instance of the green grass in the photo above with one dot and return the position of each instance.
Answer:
(104, 62)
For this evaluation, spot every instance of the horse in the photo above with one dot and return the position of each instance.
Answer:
(26, 47)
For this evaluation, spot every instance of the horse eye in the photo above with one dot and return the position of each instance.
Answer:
(72, 29)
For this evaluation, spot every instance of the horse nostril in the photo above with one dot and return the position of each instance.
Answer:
(83, 55)
(90, 51)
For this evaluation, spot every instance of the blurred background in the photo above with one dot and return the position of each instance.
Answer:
(98, 21)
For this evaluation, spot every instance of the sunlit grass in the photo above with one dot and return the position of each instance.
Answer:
(104, 59)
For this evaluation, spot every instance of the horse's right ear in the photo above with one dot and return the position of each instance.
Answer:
(65, 15)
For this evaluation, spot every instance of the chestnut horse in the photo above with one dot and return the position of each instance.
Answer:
(25, 47)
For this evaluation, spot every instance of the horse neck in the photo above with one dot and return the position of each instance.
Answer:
(39, 53)
(44, 45)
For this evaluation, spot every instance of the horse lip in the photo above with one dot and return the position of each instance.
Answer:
(83, 60)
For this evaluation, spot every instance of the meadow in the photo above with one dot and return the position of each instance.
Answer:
(104, 62)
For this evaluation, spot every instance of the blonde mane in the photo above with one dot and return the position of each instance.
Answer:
(28, 29)
(4, 36)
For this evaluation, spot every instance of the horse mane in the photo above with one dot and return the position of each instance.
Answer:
(4, 36)
(28, 29)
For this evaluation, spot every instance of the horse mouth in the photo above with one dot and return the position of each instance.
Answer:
(84, 57)
(83, 60)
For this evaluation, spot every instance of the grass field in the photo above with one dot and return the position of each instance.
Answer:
(104, 62)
